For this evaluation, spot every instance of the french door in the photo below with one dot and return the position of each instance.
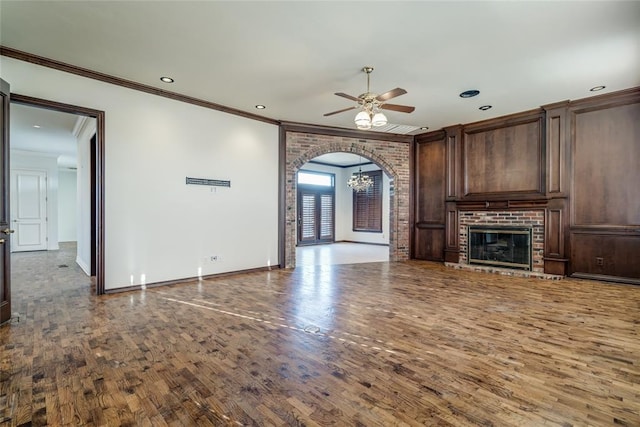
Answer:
(316, 216)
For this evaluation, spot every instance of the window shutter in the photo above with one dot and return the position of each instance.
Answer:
(308, 216)
(326, 216)
(367, 205)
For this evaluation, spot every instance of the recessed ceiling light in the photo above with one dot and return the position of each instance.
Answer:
(424, 128)
(260, 107)
(485, 107)
(166, 79)
(37, 126)
(597, 88)
(469, 93)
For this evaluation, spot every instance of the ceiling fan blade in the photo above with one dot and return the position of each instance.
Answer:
(340, 111)
(390, 94)
(395, 107)
(344, 95)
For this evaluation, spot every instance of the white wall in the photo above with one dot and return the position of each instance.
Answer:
(344, 205)
(157, 228)
(49, 164)
(347, 205)
(85, 130)
(67, 205)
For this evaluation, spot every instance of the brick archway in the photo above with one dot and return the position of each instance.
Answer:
(391, 157)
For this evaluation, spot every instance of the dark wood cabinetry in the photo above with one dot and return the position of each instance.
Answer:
(502, 159)
(578, 161)
(605, 195)
(429, 228)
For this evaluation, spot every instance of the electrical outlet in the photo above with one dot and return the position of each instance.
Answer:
(599, 261)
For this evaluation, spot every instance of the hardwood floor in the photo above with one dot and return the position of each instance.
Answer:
(377, 344)
(341, 253)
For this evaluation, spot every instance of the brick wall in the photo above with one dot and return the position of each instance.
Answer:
(391, 157)
(528, 218)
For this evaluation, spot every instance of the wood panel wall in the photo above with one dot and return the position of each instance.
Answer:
(605, 195)
(429, 187)
(503, 159)
(577, 160)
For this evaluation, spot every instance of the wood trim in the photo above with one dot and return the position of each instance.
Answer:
(507, 204)
(5, 283)
(452, 232)
(433, 136)
(622, 230)
(606, 100)
(430, 225)
(187, 280)
(100, 197)
(100, 169)
(412, 196)
(557, 266)
(523, 117)
(451, 171)
(282, 197)
(345, 133)
(95, 75)
(616, 279)
(554, 230)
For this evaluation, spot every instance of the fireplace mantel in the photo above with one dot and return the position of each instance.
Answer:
(509, 204)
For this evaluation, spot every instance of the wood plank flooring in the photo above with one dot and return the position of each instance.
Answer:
(380, 344)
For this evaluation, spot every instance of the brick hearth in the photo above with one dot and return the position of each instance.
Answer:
(513, 218)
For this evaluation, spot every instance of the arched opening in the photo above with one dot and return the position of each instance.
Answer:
(300, 153)
(335, 224)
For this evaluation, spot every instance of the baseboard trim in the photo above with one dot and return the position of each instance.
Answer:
(604, 278)
(363, 243)
(83, 265)
(188, 280)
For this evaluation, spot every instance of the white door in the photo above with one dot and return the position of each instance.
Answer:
(28, 210)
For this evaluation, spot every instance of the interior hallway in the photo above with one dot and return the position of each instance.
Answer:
(373, 344)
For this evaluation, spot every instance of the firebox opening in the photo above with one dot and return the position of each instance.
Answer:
(508, 247)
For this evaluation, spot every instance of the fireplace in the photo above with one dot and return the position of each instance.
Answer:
(507, 247)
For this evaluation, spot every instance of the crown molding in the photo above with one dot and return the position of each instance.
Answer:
(346, 133)
(129, 84)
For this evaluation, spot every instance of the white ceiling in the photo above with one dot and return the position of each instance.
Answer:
(341, 159)
(53, 136)
(293, 56)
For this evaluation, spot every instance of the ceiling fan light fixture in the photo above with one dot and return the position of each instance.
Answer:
(370, 105)
(379, 119)
(363, 120)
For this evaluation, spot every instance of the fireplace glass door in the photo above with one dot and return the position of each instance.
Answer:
(508, 247)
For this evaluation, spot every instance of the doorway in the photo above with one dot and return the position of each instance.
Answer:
(334, 224)
(28, 203)
(316, 207)
(87, 170)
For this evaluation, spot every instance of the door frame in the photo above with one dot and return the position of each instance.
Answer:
(99, 184)
(317, 194)
(5, 249)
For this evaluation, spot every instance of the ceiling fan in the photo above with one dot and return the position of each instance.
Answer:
(371, 104)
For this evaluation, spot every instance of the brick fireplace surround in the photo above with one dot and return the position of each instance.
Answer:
(515, 218)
